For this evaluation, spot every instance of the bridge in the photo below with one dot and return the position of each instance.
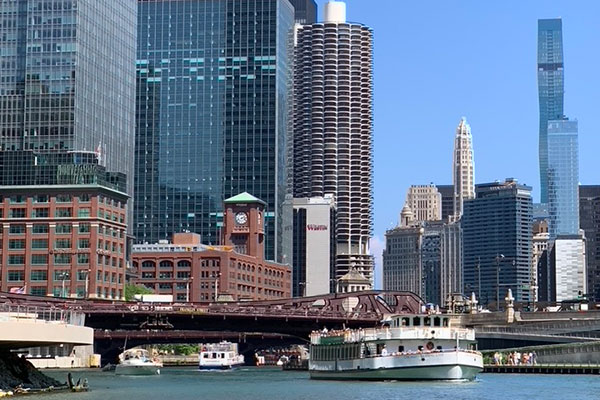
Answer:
(287, 321)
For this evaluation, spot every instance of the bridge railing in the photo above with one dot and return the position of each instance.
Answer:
(45, 314)
(536, 332)
(232, 310)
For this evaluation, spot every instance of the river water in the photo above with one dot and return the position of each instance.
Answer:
(270, 383)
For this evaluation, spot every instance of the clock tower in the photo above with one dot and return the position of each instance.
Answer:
(244, 224)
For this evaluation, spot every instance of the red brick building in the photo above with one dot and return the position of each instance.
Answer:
(64, 239)
(191, 271)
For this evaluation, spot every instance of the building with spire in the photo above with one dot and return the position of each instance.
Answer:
(463, 168)
(551, 89)
(333, 129)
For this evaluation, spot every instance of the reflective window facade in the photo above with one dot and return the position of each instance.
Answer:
(213, 84)
(67, 79)
(497, 241)
(551, 88)
(563, 178)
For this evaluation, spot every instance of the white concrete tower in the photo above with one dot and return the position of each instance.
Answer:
(333, 129)
(463, 167)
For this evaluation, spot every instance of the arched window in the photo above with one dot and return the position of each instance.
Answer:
(184, 264)
(148, 264)
(166, 264)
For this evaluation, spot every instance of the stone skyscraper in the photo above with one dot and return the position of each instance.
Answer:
(333, 128)
(214, 89)
(550, 88)
(463, 168)
(67, 81)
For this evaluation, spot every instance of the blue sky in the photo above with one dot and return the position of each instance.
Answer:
(436, 61)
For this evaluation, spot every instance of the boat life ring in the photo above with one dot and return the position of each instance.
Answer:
(429, 346)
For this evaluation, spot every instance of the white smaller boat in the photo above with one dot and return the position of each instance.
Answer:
(222, 355)
(137, 362)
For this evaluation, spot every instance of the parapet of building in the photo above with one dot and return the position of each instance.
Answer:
(63, 225)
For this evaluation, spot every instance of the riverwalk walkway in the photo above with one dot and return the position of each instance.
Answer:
(580, 369)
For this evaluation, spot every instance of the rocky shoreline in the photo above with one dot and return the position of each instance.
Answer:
(16, 374)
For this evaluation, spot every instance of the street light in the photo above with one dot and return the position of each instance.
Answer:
(217, 276)
(63, 276)
(479, 278)
(187, 288)
(499, 258)
(302, 288)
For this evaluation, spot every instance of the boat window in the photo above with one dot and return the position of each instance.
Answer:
(427, 321)
(439, 348)
(436, 321)
(417, 321)
(400, 349)
(445, 322)
(214, 355)
(205, 355)
(405, 321)
(420, 348)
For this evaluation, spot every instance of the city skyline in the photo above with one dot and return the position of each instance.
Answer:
(499, 99)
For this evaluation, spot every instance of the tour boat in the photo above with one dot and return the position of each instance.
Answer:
(405, 347)
(137, 362)
(222, 355)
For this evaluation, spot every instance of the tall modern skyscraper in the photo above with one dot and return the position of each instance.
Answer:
(463, 167)
(67, 80)
(563, 178)
(333, 128)
(550, 88)
(213, 90)
(497, 241)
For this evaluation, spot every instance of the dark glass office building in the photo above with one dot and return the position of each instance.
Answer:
(589, 217)
(551, 88)
(213, 91)
(67, 78)
(305, 11)
(497, 241)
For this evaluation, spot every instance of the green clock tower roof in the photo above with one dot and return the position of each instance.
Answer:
(244, 198)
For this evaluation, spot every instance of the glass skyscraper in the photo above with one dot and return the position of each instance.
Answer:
(497, 241)
(213, 91)
(550, 88)
(67, 78)
(563, 178)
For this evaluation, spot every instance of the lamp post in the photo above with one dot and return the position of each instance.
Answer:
(87, 283)
(302, 288)
(499, 258)
(63, 276)
(479, 278)
(187, 288)
(217, 276)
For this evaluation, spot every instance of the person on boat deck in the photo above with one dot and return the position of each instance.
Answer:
(384, 351)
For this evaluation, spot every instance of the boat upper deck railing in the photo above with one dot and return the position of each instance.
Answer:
(12, 312)
(371, 334)
(222, 347)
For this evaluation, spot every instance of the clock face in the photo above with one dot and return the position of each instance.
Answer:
(241, 218)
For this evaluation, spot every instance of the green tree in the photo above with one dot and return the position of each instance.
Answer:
(131, 290)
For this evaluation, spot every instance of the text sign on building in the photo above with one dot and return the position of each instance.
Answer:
(316, 227)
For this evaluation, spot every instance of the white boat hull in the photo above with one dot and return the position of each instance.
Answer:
(137, 370)
(456, 365)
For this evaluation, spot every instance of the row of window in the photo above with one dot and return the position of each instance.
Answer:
(42, 259)
(84, 227)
